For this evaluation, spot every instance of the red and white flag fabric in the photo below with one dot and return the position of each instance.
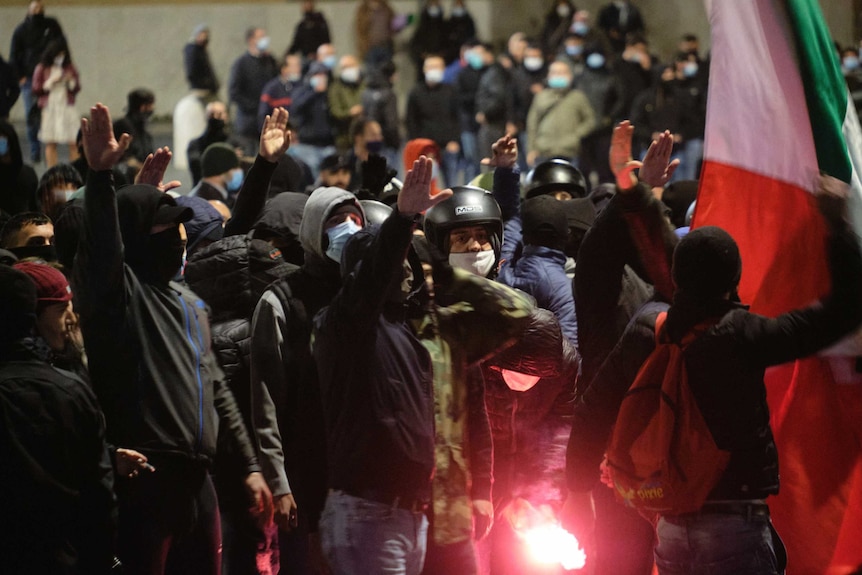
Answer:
(778, 115)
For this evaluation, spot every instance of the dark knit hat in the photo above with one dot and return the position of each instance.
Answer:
(706, 263)
(544, 222)
(17, 304)
(217, 159)
(51, 285)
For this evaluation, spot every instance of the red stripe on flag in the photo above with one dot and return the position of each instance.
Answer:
(779, 231)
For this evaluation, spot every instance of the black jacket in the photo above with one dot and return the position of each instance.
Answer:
(310, 33)
(432, 112)
(248, 75)
(148, 343)
(725, 367)
(142, 140)
(56, 480)
(375, 376)
(199, 70)
(29, 41)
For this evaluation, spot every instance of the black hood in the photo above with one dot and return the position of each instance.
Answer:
(281, 218)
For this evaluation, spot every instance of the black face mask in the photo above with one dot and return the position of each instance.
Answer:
(47, 253)
(165, 254)
(215, 125)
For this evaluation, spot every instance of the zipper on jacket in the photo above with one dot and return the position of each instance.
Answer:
(200, 427)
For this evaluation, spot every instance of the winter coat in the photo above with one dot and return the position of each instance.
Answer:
(432, 112)
(557, 122)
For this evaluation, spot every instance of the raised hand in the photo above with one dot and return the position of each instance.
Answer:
(101, 148)
(620, 156)
(275, 137)
(657, 169)
(415, 195)
(504, 153)
(154, 168)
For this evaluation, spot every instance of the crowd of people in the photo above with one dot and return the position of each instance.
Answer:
(306, 364)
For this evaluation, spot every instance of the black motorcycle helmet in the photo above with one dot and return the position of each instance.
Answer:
(555, 176)
(375, 212)
(468, 206)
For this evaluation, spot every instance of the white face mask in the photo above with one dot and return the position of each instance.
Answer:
(434, 76)
(58, 61)
(533, 63)
(350, 75)
(517, 381)
(479, 263)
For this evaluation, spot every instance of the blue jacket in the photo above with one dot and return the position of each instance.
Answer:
(540, 272)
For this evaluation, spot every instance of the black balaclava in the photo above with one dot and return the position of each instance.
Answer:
(544, 222)
(155, 258)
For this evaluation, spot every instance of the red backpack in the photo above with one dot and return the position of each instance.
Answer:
(662, 457)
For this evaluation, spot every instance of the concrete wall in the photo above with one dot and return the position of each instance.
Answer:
(119, 45)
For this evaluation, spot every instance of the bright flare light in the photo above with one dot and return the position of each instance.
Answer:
(552, 544)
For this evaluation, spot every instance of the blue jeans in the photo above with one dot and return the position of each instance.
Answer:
(470, 155)
(692, 157)
(361, 537)
(717, 544)
(311, 155)
(32, 127)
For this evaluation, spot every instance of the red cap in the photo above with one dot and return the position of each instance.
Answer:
(51, 285)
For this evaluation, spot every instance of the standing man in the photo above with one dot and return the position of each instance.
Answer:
(152, 367)
(311, 32)
(29, 41)
(248, 75)
(377, 391)
(197, 64)
(141, 103)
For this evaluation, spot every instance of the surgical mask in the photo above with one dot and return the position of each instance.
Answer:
(580, 28)
(315, 81)
(517, 381)
(458, 11)
(690, 69)
(558, 82)
(235, 181)
(634, 57)
(475, 60)
(67, 194)
(294, 77)
(563, 10)
(479, 263)
(374, 147)
(330, 61)
(434, 11)
(4, 145)
(574, 50)
(434, 76)
(350, 75)
(533, 63)
(595, 61)
(338, 236)
(850, 62)
(44, 252)
(263, 44)
(58, 61)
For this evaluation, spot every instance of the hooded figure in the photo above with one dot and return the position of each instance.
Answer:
(18, 182)
(205, 226)
(280, 224)
(281, 364)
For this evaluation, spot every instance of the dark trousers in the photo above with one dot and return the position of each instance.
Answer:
(594, 155)
(624, 539)
(169, 522)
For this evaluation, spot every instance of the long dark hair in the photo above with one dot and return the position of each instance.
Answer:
(55, 47)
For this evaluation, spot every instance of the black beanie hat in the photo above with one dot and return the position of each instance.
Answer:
(17, 304)
(544, 222)
(706, 263)
(217, 159)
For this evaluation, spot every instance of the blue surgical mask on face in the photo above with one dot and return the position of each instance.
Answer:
(475, 60)
(595, 61)
(330, 61)
(580, 28)
(374, 147)
(850, 62)
(558, 82)
(263, 44)
(4, 145)
(458, 11)
(574, 50)
(690, 69)
(338, 236)
(235, 181)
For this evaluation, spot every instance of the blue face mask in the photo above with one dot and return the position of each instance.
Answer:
(4, 145)
(235, 181)
(263, 44)
(558, 82)
(575, 50)
(595, 61)
(850, 62)
(338, 236)
(475, 61)
(330, 61)
(690, 69)
(374, 147)
(580, 28)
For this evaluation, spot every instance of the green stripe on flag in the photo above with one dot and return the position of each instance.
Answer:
(825, 89)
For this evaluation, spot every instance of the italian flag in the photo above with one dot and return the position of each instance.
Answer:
(778, 114)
